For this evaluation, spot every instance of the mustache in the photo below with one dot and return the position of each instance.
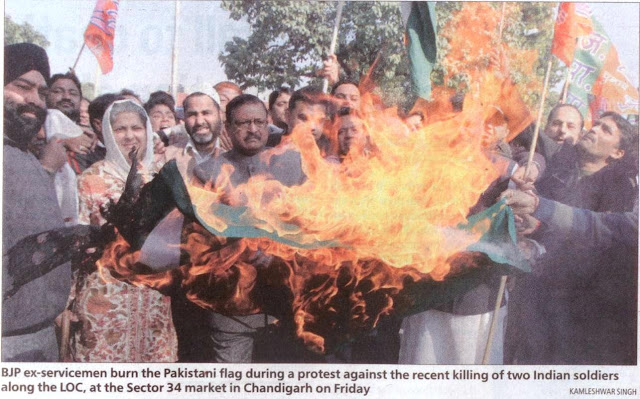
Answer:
(40, 113)
(65, 102)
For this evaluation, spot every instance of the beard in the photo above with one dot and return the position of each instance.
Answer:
(18, 127)
(214, 132)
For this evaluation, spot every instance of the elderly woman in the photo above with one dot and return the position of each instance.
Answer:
(118, 322)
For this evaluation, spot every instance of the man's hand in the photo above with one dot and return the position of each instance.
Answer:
(225, 140)
(330, 70)
(158, 145)
(53, 155)
(83, 144)
(525, 224)
(525, 183)
(522, 202)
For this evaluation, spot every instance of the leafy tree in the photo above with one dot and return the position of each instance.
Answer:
(527, 36)
(289, 39)
(18, 33)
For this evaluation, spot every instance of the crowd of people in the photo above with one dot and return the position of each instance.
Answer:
(66, 158)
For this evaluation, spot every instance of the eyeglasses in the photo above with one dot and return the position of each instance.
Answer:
(245, 124)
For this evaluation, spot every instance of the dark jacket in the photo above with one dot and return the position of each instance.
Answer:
(579, 306)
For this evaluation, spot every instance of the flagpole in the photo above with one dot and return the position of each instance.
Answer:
(565, 89)
(334, 40)
(73, 68)
(174, 52)
(503, 279)
(501, 21)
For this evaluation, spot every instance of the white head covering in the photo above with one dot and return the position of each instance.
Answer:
(118, 160)
(207, 89)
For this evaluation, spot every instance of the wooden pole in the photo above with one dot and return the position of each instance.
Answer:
(174, 52)
(565, 89)
(73, 68)
(334, 40)
(536, 132)
(532, 150)
(494, 320)
(504, 3)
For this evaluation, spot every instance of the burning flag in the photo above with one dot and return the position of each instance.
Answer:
(420, 37)
(101, 31)
(573, 21)
(380, 233)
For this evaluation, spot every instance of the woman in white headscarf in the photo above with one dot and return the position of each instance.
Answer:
(117, 321)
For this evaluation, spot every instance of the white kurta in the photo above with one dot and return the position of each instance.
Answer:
(435, 337)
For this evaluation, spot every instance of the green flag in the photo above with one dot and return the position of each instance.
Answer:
(420, 24)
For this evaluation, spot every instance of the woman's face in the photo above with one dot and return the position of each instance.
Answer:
(130, 132)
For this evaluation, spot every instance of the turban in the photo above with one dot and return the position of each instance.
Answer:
(21, 58)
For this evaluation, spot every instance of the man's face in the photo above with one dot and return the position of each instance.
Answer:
(161, 117)
(202, 120)
(65, 96)
(564, 125)
(314, 115)
(248, 129)
(24, 107)
(226, 95)
(279, 109)
(349, 95)
(350, 131)
(602, 142)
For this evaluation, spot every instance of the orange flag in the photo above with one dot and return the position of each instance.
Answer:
(574, 20)
(612, 90)
(101, 32)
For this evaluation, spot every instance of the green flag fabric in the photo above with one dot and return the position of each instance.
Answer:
(421, 31)
(498, 242)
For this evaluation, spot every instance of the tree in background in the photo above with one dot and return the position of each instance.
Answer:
(289, 39)
(468, 32)
(18, 33)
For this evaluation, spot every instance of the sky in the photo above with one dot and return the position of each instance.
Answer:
(144, 38)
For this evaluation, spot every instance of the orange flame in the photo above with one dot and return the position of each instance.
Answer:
(390, 208)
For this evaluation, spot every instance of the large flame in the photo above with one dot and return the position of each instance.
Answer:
(389, 210)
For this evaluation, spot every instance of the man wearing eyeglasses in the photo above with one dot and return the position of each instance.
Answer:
(232, 337)
(246, 122)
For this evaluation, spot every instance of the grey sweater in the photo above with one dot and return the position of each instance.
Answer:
(29, 207)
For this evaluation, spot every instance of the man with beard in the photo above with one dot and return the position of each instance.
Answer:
(203, 125)
(29, 207)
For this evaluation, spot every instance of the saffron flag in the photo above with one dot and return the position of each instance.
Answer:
(420, 37)
(598, 81)
(573, 21)
(101, 31)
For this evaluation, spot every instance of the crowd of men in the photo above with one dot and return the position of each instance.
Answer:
(576, 210)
